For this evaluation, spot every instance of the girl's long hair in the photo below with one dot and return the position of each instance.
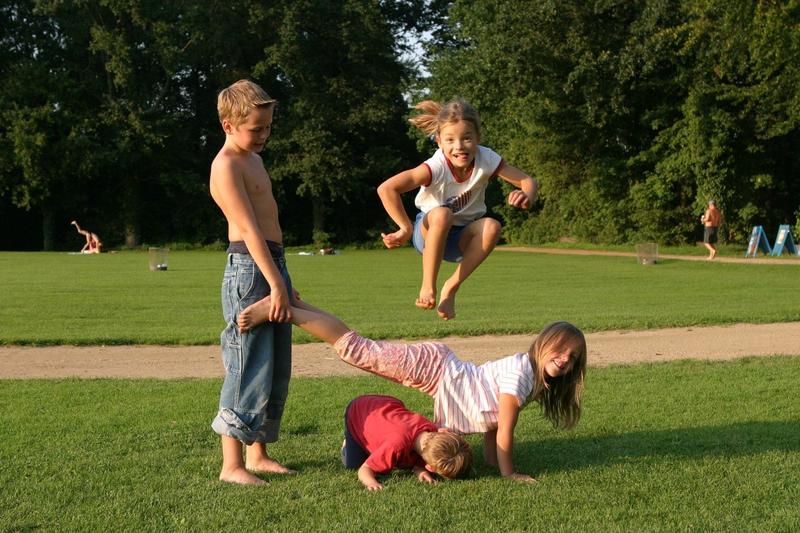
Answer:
(560, 397)
(434, 115)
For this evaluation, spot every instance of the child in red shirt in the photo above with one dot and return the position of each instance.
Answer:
(380, 434)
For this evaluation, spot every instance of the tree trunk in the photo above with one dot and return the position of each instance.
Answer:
(318, 214)
(48, 242)
(130, 212)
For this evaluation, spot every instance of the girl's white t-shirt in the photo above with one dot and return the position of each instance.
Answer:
(467, 399)
(465, 198)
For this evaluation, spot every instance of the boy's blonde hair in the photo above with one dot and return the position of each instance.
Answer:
(559, 397)
(234, 103)
(435, 115)
(448, 454)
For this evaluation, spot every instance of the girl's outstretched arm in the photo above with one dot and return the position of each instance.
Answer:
(506, 422)
(317, 322)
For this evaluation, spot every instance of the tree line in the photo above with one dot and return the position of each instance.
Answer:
(632, 114)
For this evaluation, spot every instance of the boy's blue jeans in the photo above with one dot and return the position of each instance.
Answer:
(257, 363)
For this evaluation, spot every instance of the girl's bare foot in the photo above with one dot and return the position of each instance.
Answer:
(269, 465)
(253, 315)
(447, 302)
(240, 476)
(427, 299)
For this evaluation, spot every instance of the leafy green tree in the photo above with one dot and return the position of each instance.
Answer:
(43, 135)
(339, 128)
(123, 135)
(633, 114)
(740, 128)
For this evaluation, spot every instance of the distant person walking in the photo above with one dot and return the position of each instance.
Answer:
(93, 243)
(711, 219)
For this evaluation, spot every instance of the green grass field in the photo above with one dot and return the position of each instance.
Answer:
(661, 447)
(56, 298)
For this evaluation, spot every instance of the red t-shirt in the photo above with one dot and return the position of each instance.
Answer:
(386, 430)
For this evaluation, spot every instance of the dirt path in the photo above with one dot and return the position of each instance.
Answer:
(605, 348)
(785, 260)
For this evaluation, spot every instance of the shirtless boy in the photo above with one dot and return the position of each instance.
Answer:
(711, 220)
(257, 363)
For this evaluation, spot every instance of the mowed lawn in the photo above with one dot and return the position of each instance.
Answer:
(687, 445)
(57, 298)
(661, 447)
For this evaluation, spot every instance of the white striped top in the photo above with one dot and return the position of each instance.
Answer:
(468, 397)
(466, 199)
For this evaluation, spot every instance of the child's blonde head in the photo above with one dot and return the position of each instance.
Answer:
(234, 103)
(560, 397)
(436, 115)
(448, 454)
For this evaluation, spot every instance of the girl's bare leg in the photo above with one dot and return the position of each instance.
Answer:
(317, 322)
(477, 242)
(435, 228)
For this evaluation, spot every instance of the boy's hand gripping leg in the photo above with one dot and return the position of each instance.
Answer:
(318, 323)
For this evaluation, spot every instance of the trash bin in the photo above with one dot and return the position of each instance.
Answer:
(158, 258)
(647, 253)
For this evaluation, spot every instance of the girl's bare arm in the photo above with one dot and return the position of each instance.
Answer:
(528, 186)
(390, 192)
(506, 422)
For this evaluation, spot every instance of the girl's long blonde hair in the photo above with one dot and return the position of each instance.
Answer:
(435, 115)
(560, 397)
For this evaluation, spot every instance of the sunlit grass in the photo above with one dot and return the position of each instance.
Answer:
(51, 298)
(661, 447)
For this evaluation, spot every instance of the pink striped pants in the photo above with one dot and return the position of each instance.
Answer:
(418, 365)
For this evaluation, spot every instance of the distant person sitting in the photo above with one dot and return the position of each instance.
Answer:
(711, 219)
(93, 243)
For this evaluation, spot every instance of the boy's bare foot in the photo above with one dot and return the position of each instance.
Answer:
(447, 303)
(253, 315)
(269, 465)
(240, 476)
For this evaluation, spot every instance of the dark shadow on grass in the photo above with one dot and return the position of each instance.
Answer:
(306, 464)
(302, 430)
(733, 440)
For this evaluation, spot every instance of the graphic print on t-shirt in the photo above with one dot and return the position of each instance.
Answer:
(457, 203)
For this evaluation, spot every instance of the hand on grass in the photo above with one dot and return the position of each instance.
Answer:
(367, 477)
(523, 478)
(374, 485)
(424, 476)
